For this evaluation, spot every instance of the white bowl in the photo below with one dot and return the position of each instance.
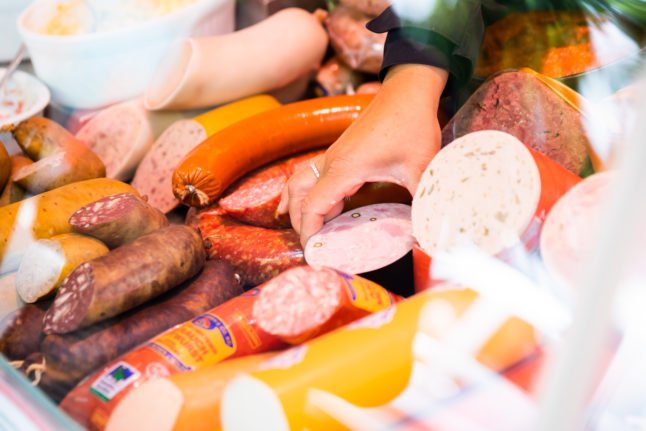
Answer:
(9, 36)
(97, 69)
(33, 93)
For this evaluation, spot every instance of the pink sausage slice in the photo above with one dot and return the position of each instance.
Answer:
(363, 240)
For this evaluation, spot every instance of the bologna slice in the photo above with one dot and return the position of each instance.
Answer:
(258, 254)
(520, 104)
(305, 301)
(486, 189)
(118, 219)
(572, 228)
(126, 277)
(365, 241)
(71, 357)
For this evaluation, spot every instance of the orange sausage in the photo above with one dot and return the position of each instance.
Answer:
(226, 156)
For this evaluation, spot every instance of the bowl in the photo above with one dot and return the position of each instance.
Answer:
(24, 96)
(9, 36)
(96, 69)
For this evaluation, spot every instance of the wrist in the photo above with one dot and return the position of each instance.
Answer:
(416, 80)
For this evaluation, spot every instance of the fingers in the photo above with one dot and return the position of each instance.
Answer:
(298, 187)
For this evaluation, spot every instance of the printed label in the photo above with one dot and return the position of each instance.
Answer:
(113, 381)
(207, 340)
(367, 295)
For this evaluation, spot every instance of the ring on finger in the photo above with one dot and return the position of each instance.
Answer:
(316, 171)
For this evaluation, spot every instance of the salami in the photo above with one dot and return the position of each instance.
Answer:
(257, 253)
(126, 277)
(73, 356)
(365, 241)
(520, 104)
(489, 190)
(254, 200)
(224, 332)
(118, 219)
(305, 301)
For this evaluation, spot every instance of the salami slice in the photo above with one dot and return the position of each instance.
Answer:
(120, 135)
(118, 219)
(257, 253)
(486, 189)
(375, 241)
(254, 200)
(126, 277)
(306, 301)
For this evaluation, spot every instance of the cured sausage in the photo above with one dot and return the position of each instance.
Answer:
(257, 253)
(13, 192)
(51, 260)
(21, 332)
(254, 199)
(375, 241)
(209, 71)
(520, 104)
(118, 219)
(237, 150)
(71, 357)
(120, 135)
(126, 277)
(60, 158)
(153, 176)
(226, 331)
(305, 301)
(46, 215)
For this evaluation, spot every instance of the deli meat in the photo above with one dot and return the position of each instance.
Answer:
(307, 301)
(126, 277)
(520, 104)
(118, 219)
(363, 240)
(258, 254)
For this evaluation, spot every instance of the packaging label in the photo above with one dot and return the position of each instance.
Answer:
(367, 295)
(207, 340)
(113, 381)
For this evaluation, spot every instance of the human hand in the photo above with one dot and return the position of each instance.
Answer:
(392, 141)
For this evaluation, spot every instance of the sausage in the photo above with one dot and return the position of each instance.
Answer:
(46, 215)
(224, 332)
(126, 277)
(254, 199)
(381, 242)
(153, 176)
(120, 135)
(489, 189)
(51, 260)
(13, 192)
(21, 332)
(210, 71)
(73, 356)
(369, 7)
(118, 219)
(306, 301)
(257, 253)
(60, 158)
(335, 78)
(353, 43)
(237, 150)
(520, 104)
(5, 166)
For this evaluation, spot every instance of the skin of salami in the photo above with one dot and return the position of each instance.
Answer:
(118, 219)
(21, 332)
(126, 277)
(314, 301)
(224, 332)
(254, 199)
(258, 254)
(71, 357)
